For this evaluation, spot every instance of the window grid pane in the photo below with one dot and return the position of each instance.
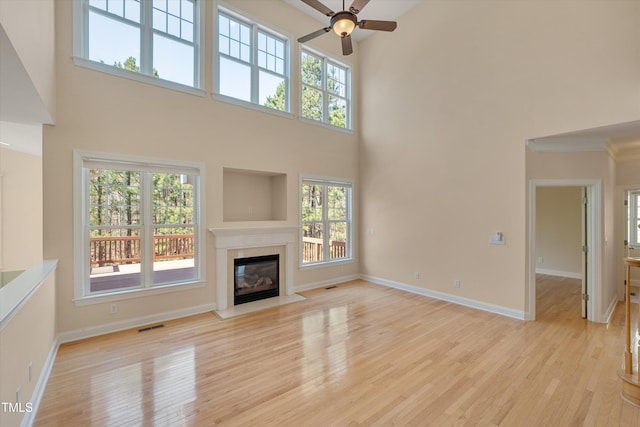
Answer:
(174, 17)
(238, 37)
(114, 198)
(329, 103)
(270, 53)
(312, 103)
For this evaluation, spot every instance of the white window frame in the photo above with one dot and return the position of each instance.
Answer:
(256, 27)
(326, 60)
(328, 181)
(81, 30)
(634, 231)
(82, 295)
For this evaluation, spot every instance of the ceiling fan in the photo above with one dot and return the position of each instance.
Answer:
(344, 22)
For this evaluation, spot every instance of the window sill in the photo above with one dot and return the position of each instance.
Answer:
(252, 106)
(136, 293)
(143, 78)
(326, 125)
(325, 264)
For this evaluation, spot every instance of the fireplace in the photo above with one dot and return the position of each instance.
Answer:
(232, 243)
(255, 278)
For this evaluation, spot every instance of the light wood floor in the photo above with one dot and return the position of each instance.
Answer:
(359, 354)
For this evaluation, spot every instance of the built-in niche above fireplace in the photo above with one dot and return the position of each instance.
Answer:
(250, 195)
(255, 278)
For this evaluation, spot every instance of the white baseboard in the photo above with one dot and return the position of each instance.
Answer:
(79, 334)
(559, 273)
(30, 417)
(321, 284)
(492, 308)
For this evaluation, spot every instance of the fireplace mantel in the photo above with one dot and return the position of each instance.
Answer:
(251, 237)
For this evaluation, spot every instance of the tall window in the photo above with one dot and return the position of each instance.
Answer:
(252, 63)
(634, 219)
(325, 91)
(140, 225)
(326, 220)
(157, 38)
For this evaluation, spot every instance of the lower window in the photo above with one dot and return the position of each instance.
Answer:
(140, 226)
(326, 220)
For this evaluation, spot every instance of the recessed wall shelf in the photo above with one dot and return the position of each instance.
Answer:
(250, 195)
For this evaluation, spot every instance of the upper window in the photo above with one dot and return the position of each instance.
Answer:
(139, 225)
(157, 38)
(252, 63)
(326, 221)
(325, 91)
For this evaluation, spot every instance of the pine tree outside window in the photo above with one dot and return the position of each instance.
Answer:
(325, 90)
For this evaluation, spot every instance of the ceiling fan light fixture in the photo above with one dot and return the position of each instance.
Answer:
(343, 23)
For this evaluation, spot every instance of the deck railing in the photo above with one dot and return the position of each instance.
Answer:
(105, 251)
(126, 249)
(312, 249)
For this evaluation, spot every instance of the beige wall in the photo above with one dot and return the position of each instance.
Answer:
(100, 112)
(559, 230)
(28, 337)
(21, 204)
(628, 173)
(29, 25)
(448, 101)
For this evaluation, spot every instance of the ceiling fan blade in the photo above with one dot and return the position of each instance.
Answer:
(357, 6)
(347, 47)
(313, 35)
(319, 7)
(369, 24)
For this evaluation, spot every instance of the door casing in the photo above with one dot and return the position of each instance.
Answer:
(594, 242)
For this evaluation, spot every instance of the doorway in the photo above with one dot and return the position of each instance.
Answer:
(586, 262)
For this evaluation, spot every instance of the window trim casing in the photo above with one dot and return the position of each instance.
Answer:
(80, 46)
(633, 206)
(325, 180)
(349, 128)
(80, 248)
(256, 26)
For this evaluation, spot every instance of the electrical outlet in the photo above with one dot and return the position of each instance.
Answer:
(113, 309)
(30, 370)
(417, 275)
(540, 260)
(456, 283)
(18, 396)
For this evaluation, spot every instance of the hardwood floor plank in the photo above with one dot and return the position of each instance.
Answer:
(359, 354)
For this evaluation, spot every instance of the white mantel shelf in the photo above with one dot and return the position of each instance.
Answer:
(239, 237)
(251, 237)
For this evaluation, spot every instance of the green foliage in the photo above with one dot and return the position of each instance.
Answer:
(115, 200)
(313, 213)
(312, 98)
(277, 101)
(131, 65)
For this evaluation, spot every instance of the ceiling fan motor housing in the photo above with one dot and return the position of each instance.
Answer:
(343, 23)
